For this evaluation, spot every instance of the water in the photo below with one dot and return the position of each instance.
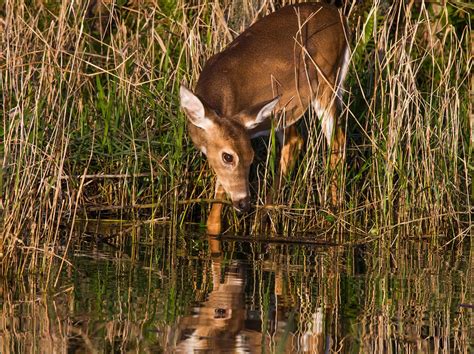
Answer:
(190, 293)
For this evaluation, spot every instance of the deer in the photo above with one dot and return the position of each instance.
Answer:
(293, 59)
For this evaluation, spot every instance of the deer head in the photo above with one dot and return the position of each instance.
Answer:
(226, 142)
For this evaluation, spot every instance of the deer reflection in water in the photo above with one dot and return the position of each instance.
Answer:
(218, 323)
(224, 323)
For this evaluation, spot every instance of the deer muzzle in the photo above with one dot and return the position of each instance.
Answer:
(242, 205)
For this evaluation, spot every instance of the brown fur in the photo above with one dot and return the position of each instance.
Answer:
(296, 54)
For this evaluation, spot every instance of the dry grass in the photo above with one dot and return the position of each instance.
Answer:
(91, 125)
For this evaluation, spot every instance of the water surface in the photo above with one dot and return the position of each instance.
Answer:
(190, 293)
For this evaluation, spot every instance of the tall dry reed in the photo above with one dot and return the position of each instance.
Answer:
(91, 125)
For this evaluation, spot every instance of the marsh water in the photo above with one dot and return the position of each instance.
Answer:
(185, 292)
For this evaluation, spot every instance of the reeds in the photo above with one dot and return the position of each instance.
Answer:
(91, 126)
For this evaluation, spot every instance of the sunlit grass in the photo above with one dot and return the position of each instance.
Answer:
(91, 125)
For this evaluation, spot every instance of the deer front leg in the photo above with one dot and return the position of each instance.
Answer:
(291, 144)
(214, 221)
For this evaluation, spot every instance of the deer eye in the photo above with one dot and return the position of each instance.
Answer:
(227, 158)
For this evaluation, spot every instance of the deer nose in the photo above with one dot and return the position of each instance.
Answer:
(242, 205)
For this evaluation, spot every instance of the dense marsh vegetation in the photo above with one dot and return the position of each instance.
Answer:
(91, 126)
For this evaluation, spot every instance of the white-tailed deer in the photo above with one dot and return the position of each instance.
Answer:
(292, 59)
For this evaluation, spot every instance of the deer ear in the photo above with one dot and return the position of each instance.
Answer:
(194, 108)
(259, 113)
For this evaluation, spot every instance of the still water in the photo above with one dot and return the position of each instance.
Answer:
(189, 293)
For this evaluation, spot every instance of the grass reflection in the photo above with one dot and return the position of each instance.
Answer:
(193, 293)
